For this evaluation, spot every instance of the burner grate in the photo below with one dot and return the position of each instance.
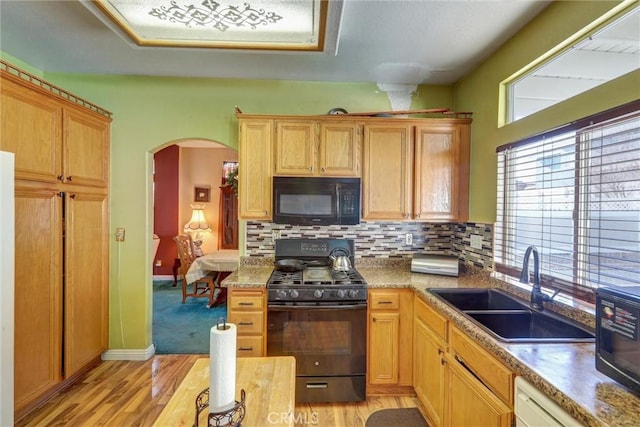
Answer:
(279, 277)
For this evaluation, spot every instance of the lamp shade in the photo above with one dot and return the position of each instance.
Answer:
(197, 222)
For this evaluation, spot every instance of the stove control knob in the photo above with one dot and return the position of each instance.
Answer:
(340, 293)
(282, 294)
(318, 293)
(294, 294)
(353, 293)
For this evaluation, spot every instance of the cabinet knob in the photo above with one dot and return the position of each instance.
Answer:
(69, 178)
(72, 196)
(60, 178)
(310, 168)
(443, 362)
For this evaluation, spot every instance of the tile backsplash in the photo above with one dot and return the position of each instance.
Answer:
(383, 239)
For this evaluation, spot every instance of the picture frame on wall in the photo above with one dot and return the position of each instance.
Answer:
(202, 194)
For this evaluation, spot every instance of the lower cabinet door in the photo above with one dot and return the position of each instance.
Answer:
(428, 374)
(470, 403)
(38, 297)
(383, 342)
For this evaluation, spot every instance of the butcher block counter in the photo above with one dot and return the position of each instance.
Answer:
(565, 372)
(269, 384)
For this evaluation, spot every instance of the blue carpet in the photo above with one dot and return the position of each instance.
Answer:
(182, 328)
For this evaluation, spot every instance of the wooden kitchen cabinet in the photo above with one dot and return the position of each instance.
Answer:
(62, 289)
(390, 342)
(38, 296)
(295, 148)
(61, 146)
(247, 310)
(86, 148)
(53, 141)
(416, 171)
(411, 169)
(491, 372)
(441, 180)
(255, 169)
(470, 403)
(387, 171)
(340, 149)
(429, 346)
(456, 381)
(317, 148)
(86, 293)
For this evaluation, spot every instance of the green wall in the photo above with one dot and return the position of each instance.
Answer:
(478, 92)
(151, 112)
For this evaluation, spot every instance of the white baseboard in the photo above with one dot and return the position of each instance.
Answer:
(125, 354)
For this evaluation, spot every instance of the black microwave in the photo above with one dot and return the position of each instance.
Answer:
(316, 201)
(618, 335)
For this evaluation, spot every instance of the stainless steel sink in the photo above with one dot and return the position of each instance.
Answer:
(509, 319)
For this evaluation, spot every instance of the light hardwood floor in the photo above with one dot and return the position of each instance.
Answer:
(125, 393)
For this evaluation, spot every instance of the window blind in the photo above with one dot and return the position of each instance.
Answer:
(574, 193)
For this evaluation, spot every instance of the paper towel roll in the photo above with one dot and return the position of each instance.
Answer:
(222, 367)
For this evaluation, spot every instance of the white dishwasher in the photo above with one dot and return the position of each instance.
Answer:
(534, 409)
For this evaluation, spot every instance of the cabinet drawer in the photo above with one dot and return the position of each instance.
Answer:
(435, 321)
(490, 371)
(384, 301)
(249, 346)
(247, 301)
(247, 322)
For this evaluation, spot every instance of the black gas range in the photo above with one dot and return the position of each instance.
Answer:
(317, 281)
(319, 316)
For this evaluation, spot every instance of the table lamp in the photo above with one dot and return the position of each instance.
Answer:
(197, 224)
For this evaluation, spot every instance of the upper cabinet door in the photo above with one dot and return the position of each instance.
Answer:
(255, 169)
(340, 149)
(31, 128)
(387, 171)
(442, 172)
(295, 148)
(86, 148)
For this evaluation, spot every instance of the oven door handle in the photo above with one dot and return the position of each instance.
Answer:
(356, 306)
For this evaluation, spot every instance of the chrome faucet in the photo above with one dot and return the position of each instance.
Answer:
(537, 296)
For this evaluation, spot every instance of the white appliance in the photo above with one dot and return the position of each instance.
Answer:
(534, 409)
(7, 254)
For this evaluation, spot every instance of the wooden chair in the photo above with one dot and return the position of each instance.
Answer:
(201, 288)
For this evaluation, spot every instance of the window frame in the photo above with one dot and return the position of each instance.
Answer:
(505, 252)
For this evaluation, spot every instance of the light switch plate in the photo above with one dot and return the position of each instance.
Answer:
(476, 241)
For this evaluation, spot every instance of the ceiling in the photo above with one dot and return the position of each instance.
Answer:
(382, 41)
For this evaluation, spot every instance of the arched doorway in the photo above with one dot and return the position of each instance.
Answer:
(179, 168)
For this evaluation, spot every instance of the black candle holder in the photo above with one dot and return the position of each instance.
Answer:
(230, 418)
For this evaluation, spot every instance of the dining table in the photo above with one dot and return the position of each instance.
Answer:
(217, 262)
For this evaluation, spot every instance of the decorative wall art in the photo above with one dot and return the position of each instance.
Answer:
(202, 194)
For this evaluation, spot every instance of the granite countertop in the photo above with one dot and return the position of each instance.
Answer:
(565, 372)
